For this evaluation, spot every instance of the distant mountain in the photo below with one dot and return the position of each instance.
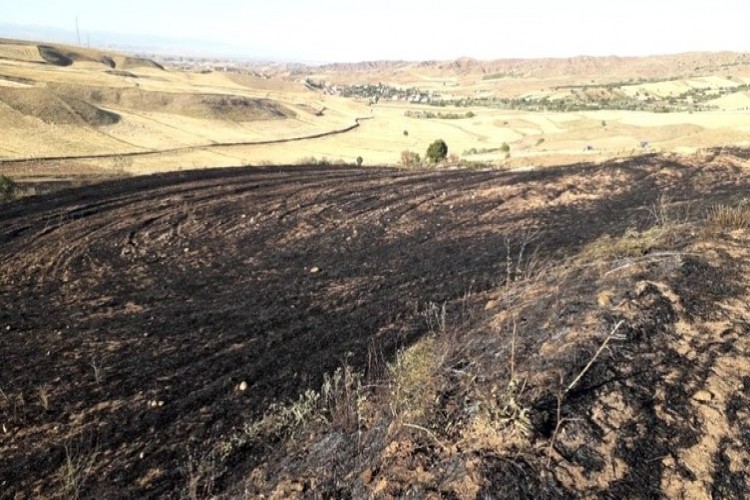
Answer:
(602, 68)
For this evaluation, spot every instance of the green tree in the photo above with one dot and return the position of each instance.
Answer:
(406, 133)
(359, 161)
(437, 151)
(505, 148)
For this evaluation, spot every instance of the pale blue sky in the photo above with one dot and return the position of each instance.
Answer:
(347, 30)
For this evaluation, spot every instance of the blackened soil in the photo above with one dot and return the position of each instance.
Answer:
(131, 311)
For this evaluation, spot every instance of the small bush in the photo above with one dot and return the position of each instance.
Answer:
(312, 161)
(342, 398)
(360, 160)
(122, 163)
(8, 188)
(307, 160)
(410, 159)
(281, 421)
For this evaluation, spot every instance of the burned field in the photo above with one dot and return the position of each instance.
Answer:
(146, 319)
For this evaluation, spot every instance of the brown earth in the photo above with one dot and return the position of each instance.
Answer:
(132, 311)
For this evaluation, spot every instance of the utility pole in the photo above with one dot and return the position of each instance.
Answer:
(88, 39)
(78, 32)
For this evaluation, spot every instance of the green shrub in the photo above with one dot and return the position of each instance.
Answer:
(8, 188)
(437, 151)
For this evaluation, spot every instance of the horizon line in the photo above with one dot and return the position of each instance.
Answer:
(231, 52)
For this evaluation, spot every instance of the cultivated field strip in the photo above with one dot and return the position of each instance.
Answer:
(178, 287)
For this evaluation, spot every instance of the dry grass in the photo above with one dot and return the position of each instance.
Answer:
(632, 244)
(414, 380)
(98, 369)
(77, 469)
(338, 405)
(344, 398)
(729, 218)
(153, 118)
(44, 396)
(200, 474)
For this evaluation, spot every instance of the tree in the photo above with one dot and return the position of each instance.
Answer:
(505, 148)
(406, 133)
(359, 161)
(437, 151)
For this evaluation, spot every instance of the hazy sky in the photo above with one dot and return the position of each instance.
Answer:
(349, 30)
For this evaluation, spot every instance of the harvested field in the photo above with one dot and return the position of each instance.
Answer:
(133, 310)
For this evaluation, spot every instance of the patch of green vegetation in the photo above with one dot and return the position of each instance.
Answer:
(413, 380)
(437, 152)
(504, 148)
(497, 76)
(616, 85)
(8, 188)
(429, 115)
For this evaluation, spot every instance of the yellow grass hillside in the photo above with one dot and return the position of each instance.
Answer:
(68, 109)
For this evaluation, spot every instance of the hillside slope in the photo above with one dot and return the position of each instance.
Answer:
(576, 331)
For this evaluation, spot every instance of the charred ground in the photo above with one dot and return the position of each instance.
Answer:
(133, 310)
